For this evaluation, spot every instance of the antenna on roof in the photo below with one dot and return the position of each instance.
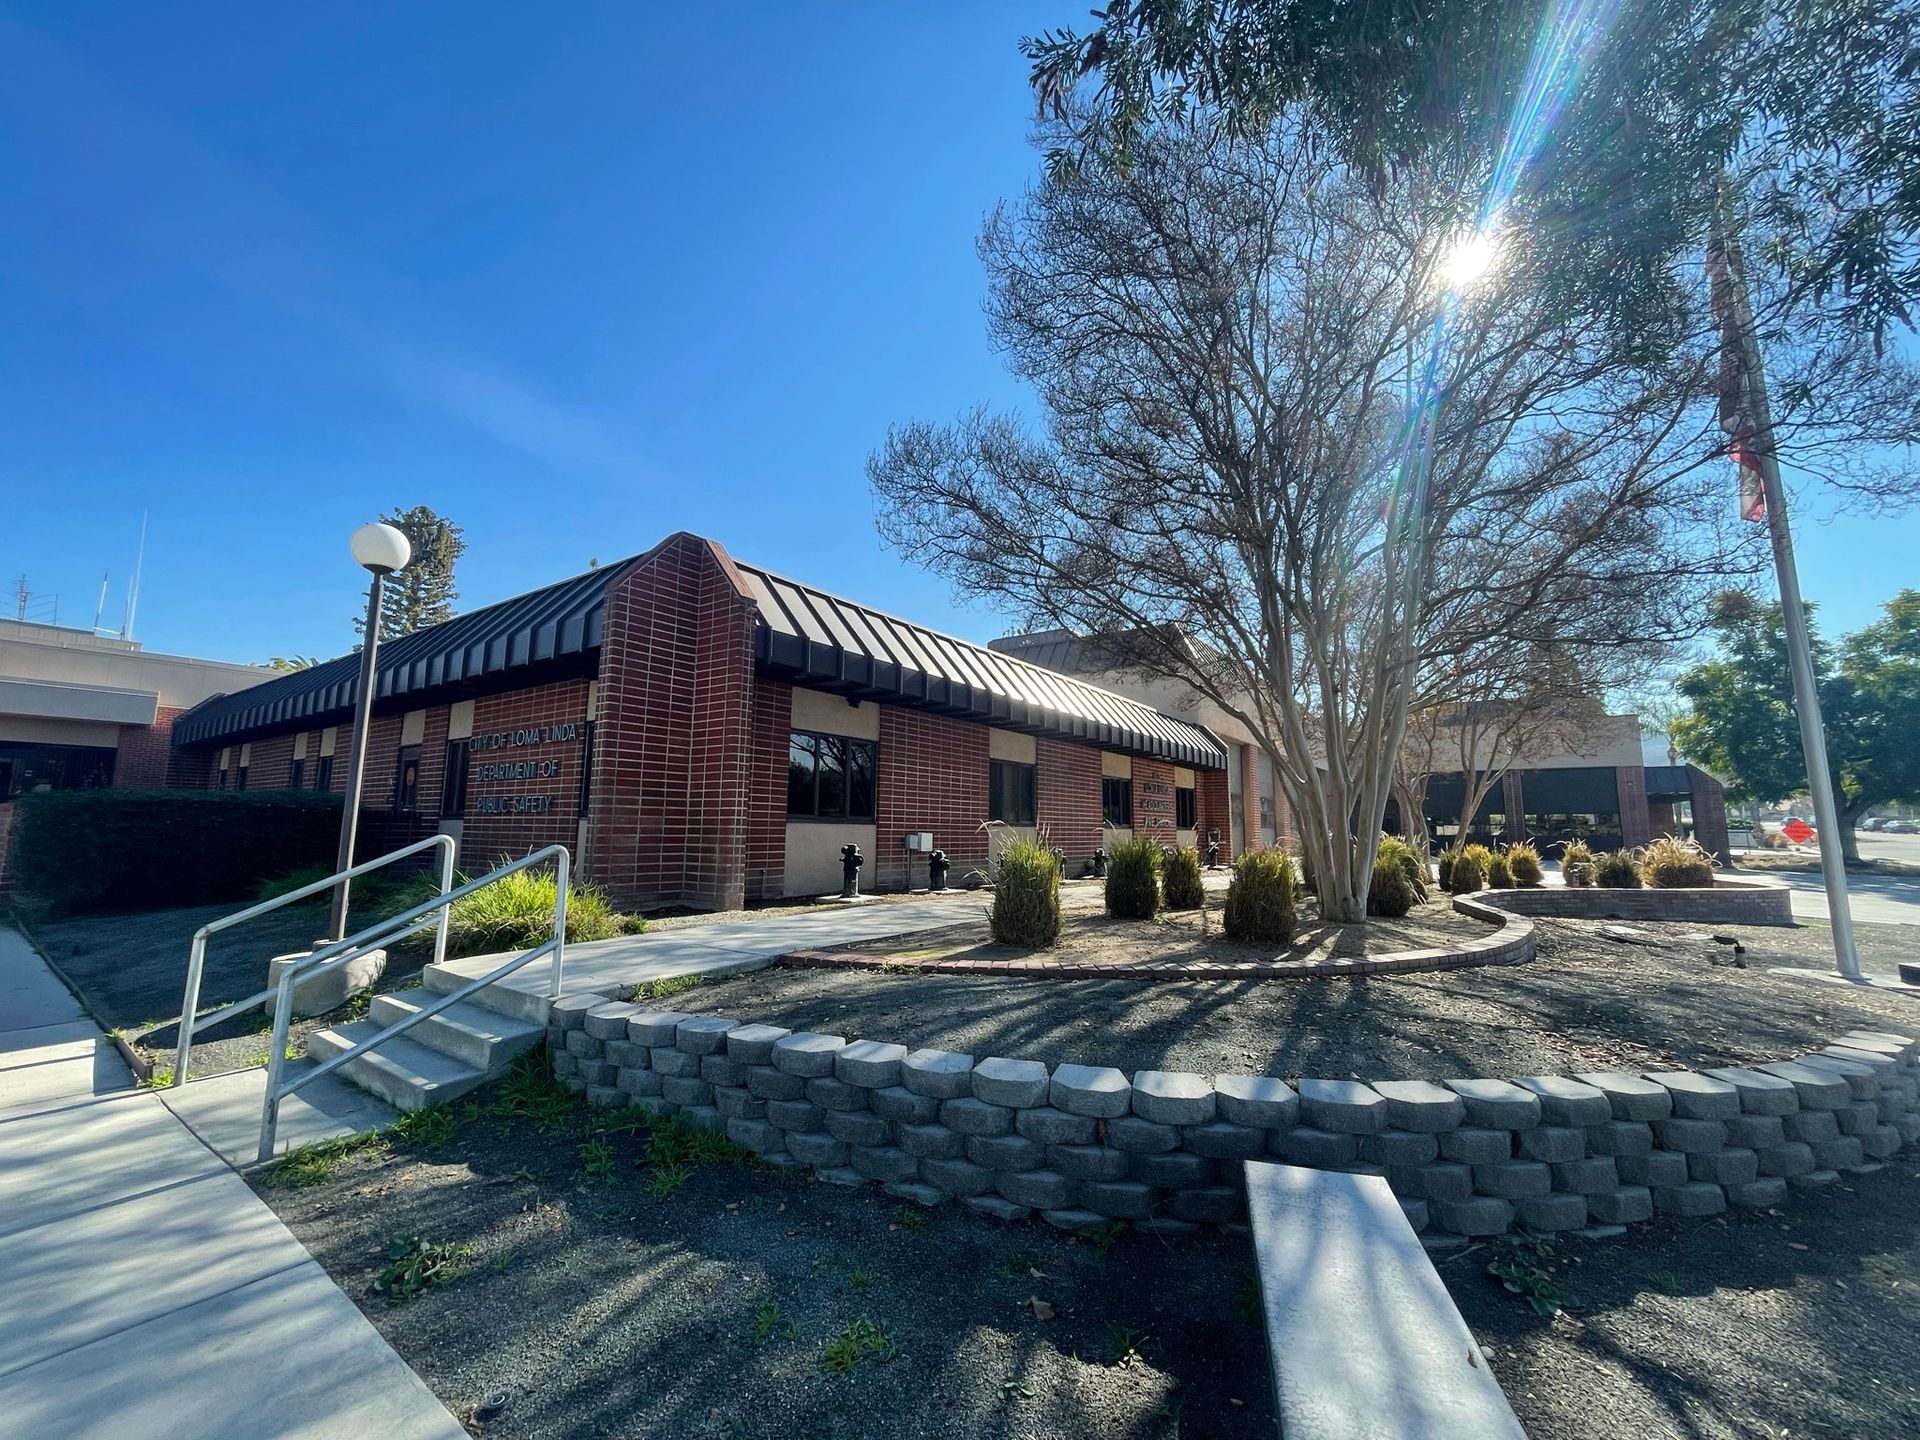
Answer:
(133, 587)
(100, 609)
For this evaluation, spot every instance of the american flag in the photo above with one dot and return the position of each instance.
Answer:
(1737, 370)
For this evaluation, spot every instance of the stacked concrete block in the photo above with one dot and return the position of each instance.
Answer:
(1081, 1145)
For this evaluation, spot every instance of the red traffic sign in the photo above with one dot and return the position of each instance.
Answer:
(1797, 830)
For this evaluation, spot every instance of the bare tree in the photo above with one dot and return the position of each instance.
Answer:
(1275, 426)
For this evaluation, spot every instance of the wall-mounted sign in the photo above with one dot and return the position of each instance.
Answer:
(518, 770)
(529, 735)
(513, 804)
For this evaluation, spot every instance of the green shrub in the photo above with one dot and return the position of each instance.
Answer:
(1443, 867)
(1390, 893)
(1617, 870)
(516, 913)
(1523, 863)
(1499, 872)
(293, 880)
(79, 850)
(1576, 865)
(1673, 864)
(1263, 898)
(1411, 862)
(1026, 896)
(1133, 879)
(1180, 879)
(1469, 870)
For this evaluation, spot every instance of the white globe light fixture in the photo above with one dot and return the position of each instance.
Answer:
(380, 549)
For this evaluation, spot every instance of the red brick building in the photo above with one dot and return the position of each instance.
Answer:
(702, 732)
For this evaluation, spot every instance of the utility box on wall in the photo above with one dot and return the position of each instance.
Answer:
(920, 841)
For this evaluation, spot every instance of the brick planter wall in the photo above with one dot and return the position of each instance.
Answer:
(1083, 1145)
(1727, 902)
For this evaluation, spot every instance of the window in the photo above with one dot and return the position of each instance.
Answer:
(453, 790)
(1010, 792)
(1116, 801)
(240, 778)
(586, 766)
(406, 778)
(323, 773)
(295, 769)
(1185, 812)
(829, 777)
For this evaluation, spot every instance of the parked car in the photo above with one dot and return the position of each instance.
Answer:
(1872, 822)
(1900, 827)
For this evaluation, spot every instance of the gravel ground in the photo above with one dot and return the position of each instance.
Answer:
(1788, 1323)
(1587, 1003)
(600, 1311)
(132, 970)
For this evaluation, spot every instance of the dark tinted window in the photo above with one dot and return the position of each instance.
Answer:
(830, 777)
(323, 773)
(1116, 801)
(1010, 793)
(406, 778)
(295, 770)
(1184, 810)
(453, 788)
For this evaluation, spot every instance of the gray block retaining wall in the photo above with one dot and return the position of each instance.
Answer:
(1083, 1145)
(1726, 902)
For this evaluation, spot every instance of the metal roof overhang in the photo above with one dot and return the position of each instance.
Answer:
(821, 641)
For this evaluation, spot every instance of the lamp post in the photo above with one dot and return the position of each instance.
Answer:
(382, 549)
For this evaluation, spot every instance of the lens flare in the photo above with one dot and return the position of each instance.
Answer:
(1471, 259)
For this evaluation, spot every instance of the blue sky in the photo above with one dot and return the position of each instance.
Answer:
(576, 277)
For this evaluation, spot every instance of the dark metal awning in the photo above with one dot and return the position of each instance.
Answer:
(487, 649)
(822, 641)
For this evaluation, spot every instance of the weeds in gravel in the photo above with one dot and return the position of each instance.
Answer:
(1664, 1281)
(1124, 1341)
(667, 1180)
(764, 1321)
(860, 1279)
(672, 985)
(596, 1159)
(913, 1221)
(157, 1080)
(1525, 1269)
(414, 1264)
(529, 1092)
(1101, 1238)
(427, 1130)
(1011, 1390)
(1017, 1265)
(317, 1163)
(861, 1340)
(503, 1262)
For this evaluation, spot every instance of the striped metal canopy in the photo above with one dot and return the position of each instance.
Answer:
(822, 641)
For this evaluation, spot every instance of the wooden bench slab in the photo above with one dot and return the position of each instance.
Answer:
(1365, 1342)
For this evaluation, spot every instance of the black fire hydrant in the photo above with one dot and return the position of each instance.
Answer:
(1213, 852)
(937, 870)
(1100, 864)
(850, 862)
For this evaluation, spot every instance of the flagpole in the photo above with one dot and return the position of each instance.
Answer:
(1806, 688)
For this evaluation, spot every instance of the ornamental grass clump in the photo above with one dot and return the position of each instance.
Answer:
(1180, 879)
(1263, 898)
(1523, 863)
(1617, 870)
(1576, 865)
(1670, 863)
(1026, 896)
(515, 912)
(1443, 867)
(1499, 872)
(1133, 879)
(1399, 879)
(1469, 870)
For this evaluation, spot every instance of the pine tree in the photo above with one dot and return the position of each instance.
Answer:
(423, 593)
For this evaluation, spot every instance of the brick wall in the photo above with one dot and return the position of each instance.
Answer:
(1067, 782)
(1250, 796)
(1727, 902)
(674, 742)
(141, 763)
(933, 776)
(488, 837)
(1635, 828)
(767, 799)
(1212, 809)
(1710, 815)
(1153, 805)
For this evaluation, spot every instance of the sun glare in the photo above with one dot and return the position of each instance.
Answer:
(1470, 260)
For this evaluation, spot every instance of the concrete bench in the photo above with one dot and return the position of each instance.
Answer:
(1365, 1342)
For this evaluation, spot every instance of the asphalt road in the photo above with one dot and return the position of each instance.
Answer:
(1877, 899)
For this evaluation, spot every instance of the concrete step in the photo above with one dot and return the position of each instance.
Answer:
(477, 1034)
(402, 1072)
(224, 1111)
(529, 1005)
(1364, 1339)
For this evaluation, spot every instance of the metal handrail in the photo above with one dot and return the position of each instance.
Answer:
(278, 1089)
(197, 953)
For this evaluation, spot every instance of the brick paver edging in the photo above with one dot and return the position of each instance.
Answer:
(1084, 1145)
(1510, 944)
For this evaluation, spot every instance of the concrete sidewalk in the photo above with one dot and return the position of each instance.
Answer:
(148, 1287)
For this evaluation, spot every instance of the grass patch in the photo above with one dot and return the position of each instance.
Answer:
(766, 1320)
(427, 1130)
(1102, 1238)
(596, 1158)
(318, 1163)
(861, 1340)
(529, 1092)
(672, 985)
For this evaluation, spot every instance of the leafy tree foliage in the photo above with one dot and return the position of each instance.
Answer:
(423, 593)
(1741, 722)
(1814, 104)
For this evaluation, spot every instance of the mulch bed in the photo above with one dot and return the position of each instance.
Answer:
(1586, 1003)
